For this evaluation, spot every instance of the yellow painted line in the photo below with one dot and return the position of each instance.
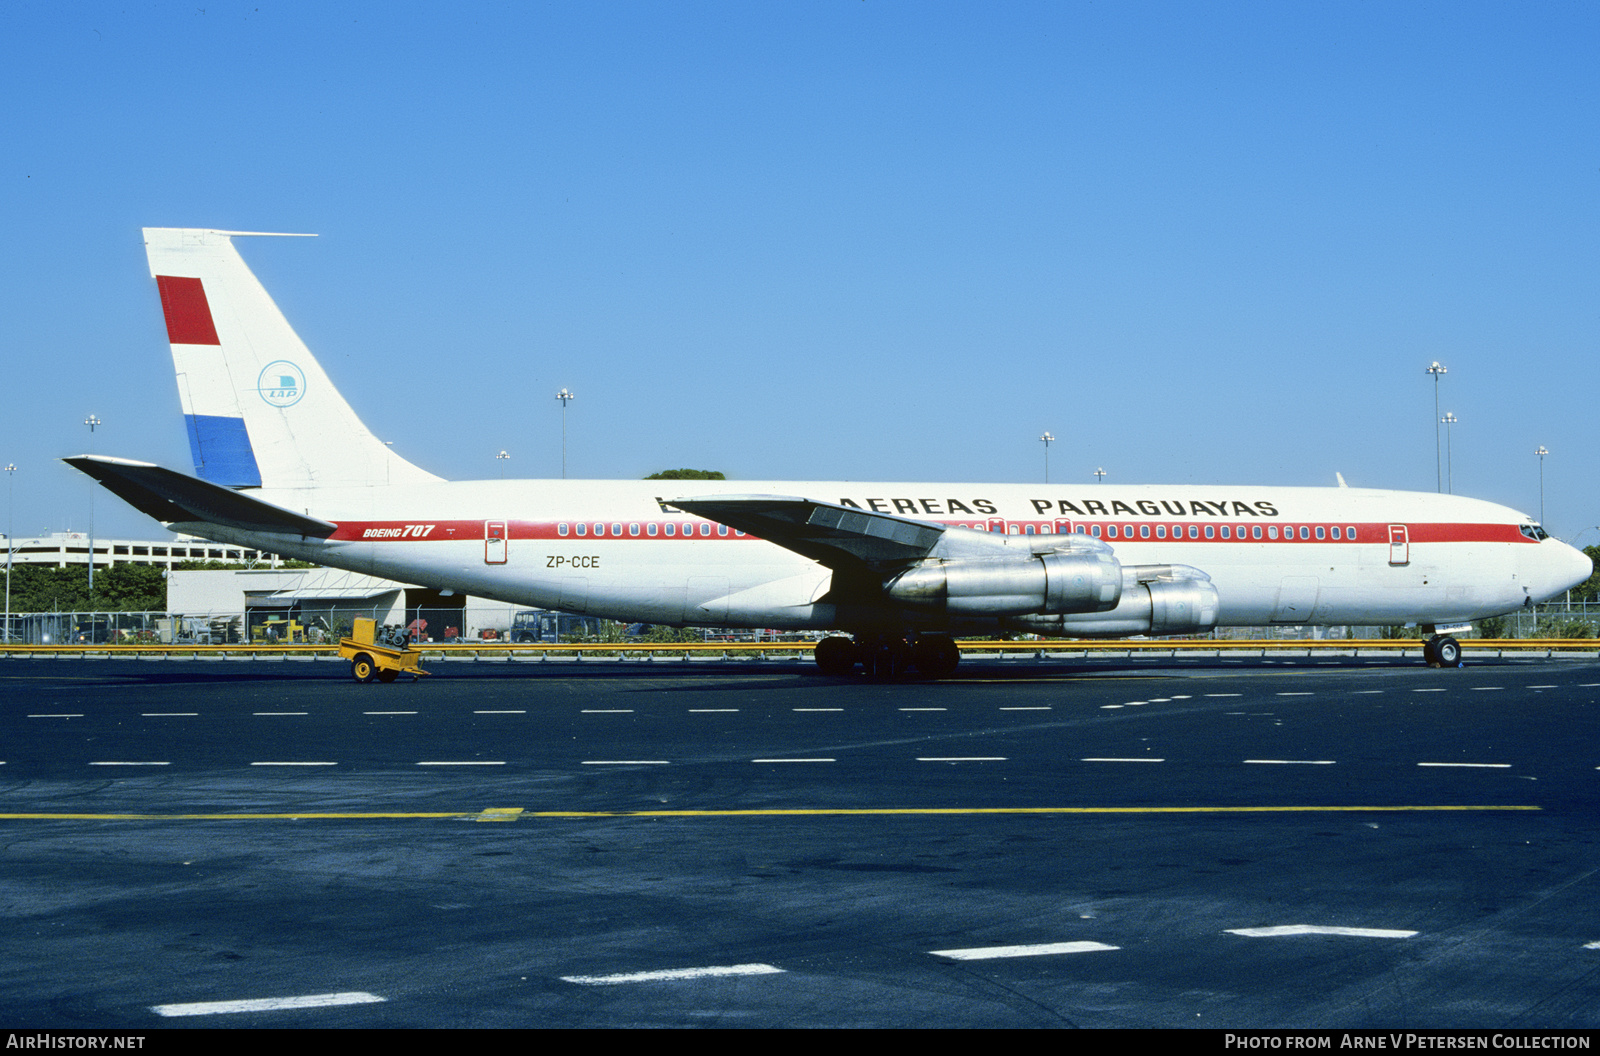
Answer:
(495, 813)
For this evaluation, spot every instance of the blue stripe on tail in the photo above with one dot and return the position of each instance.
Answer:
(222, 452)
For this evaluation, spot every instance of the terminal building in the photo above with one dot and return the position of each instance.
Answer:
(61, 549)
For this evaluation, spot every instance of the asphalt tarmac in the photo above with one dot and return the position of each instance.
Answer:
(1309, 843)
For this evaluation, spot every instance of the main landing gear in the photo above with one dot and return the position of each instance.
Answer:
(1441, 650)
(888, 656)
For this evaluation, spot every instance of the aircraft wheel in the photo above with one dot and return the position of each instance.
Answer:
(387, 674)
(1447, 651)
(836, 655)
(362, 668)
(889, 660)
(937, 656)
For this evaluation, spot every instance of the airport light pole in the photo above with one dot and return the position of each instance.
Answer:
(501, 458)
(11, 541)
(1047, 439)
(1438, 371)
(1100, 475)
(1541, 452)
(1449, 419)
(92, 421)
(564, 396)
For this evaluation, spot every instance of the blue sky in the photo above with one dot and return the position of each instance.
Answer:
(1198, 242)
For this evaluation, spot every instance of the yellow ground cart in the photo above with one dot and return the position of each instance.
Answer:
(372, 659)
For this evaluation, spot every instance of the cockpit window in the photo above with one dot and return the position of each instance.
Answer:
(1534, 532)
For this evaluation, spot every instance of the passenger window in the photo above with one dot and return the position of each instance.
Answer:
(1305, 533)
(616, 529)
(671, 528)
(1350, 532)
(561, 529)
(583, 529)
(1272, 532)
(1227, 532)
(1335, 530)
(1111, 531)
(1096, 531)
(705, 529)
(1211, 531)
(722, 529)
(1161, 531)
(1194, 531)
(1029, 529)
(1320, 533)
(599, 529)
(1255, 531)
(1144, 531)
(633, 529)
(650, 529)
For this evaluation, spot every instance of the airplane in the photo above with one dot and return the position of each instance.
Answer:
(283, 464)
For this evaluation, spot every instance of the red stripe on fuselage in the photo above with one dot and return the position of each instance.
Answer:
(1372, 533)
(183, 302)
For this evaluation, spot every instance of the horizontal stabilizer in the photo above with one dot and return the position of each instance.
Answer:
(836, 536)
(172, 497)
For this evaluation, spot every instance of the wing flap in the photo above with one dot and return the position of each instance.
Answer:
(172, 497)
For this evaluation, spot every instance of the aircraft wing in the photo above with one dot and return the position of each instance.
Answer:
(172, 497)
(839, 537)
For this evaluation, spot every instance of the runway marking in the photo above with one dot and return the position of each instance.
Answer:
(961, 758)
(77, 715)
(278, 713)
(129, 764)
(818, 760)
(463, 762)
(1035, 708)
(364, 713)
(1485, 689)
(985, 953)
(1315, 929)
(711, 711)
(294, 764)
(1294, 762)
(1438, 689)
(1541, 687)
(1112, 759)
(607, 711)
(924, 709)
(516, 711)
(165, 714)
(672, 974)
(1489, 766)
(1297, 693)
(266, 1004)
(627, 762)
(1587, 685)
(1591, 945)
(499, 814)
(1365, 692)
(818, 709)
(773, 813)
(1224, 694)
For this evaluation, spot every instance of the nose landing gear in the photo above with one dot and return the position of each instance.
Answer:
(1441, 650)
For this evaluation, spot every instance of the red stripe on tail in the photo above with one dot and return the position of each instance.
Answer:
(183, 301)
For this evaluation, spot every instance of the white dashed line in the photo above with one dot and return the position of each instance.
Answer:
(984, 953)
(266, 1004)
(1366, 692)
(294, 764)
(1297, 693)
(78, 715)
(167, 714)
(1314, 929)
(1027, 709)
(794, 760)
(1488, 766)
(607, 711)
(1109, 759)
(961, 758)
(626, 762)
(520, 711)
(817, 709)
(672, 974)
(364, 713)
(924, 709)
(129, 764)
(1293, 762)
(1485, 689)
(462, 762)
(1437, 689)
(1224, 694)
(282, 713)
(1541, 687)
(712, 711)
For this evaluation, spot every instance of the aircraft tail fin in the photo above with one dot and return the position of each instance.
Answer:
(259, 409)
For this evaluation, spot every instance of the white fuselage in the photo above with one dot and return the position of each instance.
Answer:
(613, 549)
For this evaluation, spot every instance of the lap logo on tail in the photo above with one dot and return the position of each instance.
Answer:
(281, 383)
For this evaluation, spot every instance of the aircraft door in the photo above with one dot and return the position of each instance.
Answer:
(1399, 545)
(998, 526)
(494, 542)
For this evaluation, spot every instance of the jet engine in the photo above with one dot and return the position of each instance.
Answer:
(1155, 599)
(1045, 583)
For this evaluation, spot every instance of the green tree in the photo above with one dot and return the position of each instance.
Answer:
(687, 474)
(120, 588)
(1589, 589)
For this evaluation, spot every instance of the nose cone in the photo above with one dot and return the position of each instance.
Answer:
(1564, 567)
